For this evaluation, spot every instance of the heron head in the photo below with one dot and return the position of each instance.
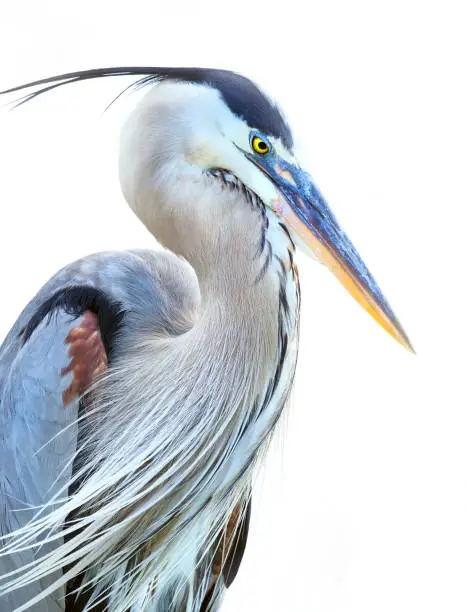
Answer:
(196, 124)
(185, 129)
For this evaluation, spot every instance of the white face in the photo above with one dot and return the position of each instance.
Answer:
(182, 130)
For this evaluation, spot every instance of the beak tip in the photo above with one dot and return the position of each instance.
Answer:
(403, 339)
(410, 348)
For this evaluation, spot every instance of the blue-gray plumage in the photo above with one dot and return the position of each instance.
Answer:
(139, 390)
(158, 294)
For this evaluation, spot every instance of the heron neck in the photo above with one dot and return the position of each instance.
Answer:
(249, 293)
(237, 266)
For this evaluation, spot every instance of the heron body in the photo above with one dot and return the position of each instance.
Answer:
(139, 390)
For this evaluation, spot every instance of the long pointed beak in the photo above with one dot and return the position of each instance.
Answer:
(306, 213)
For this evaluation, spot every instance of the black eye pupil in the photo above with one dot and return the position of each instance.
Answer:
(262, 145)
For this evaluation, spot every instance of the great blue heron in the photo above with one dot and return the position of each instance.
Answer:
(140, 389)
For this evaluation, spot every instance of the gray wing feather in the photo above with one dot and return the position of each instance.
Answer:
(38, 435)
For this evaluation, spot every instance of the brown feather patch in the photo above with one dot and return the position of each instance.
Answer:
(88, 356)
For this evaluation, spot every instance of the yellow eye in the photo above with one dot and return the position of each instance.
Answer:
(259, 145)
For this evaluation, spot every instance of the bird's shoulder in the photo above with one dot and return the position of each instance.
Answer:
(157, 290)
(91, 310)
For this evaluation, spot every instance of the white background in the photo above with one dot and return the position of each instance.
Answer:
(366, 507)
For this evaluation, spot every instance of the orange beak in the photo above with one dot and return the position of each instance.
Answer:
(315, 228)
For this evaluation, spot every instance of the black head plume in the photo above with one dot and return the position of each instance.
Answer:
(241, 95)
